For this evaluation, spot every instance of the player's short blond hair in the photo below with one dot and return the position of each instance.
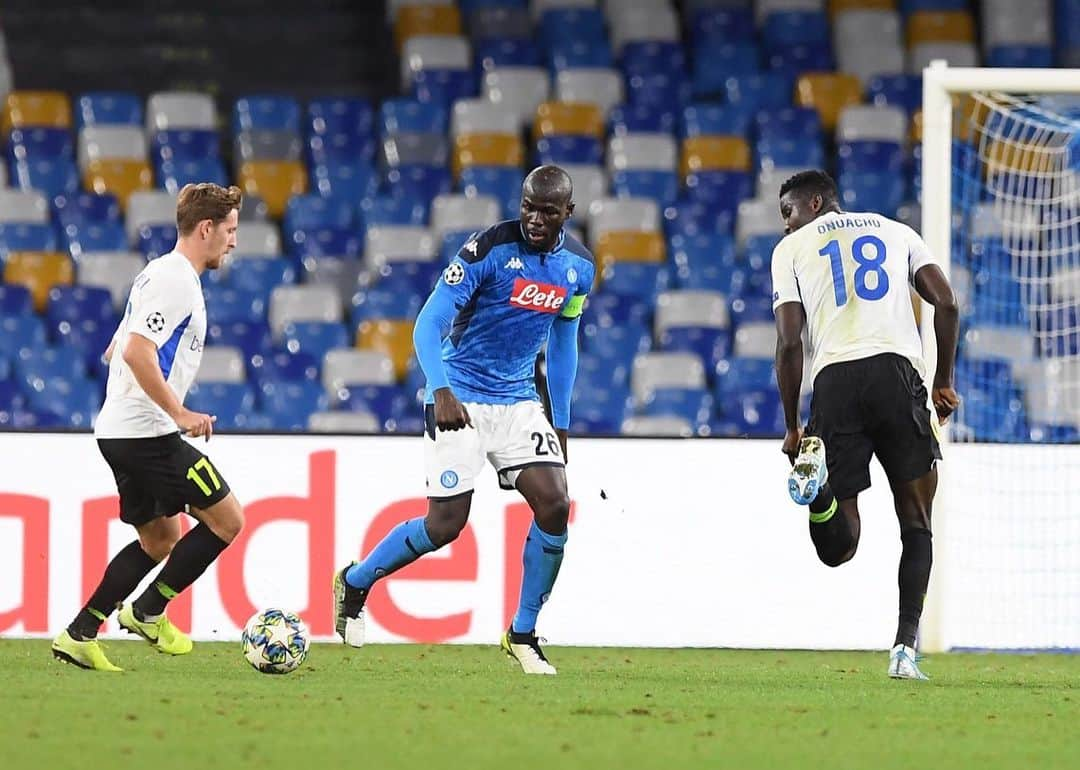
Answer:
(206, 200)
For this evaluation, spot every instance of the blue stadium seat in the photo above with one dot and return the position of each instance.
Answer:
(1058, 329)
(381, 302)
(995, 414)
(739, 374)
(748, 283)
(708, 343)
(353, 180)
(393, 210)
(692, 404)
(11, 398)
(640, 118)
(607, 309)
(15, 300)
(186, 144)
(646, 57)
(715, 65)
(468, 6)
(721, 190)
(444, 87)
(869, 156)
(573, 53)
(560, 150)
(21, 236)
(703, 261)
(339, 147)
(759, 91)
(41, 364)
(501, 182)
(72, 402)
(718, 26)
(616, 345)
(226, 400)
(318, 211)
(411, 116)
(283, 366)
(315, 338)
(659, 91)
(251, 337)
(39, 143)
(797, 59)
(899, 90)
(19, 331)
(490, 54)
(54, 177)
(999, 300)
(99, 108)
(690, 217)
(754, 413)
(757, 250)
(273, 112)
(95, 236)
(288, 404)
(908, 7)
(635, 279)
(90, 338)
(661, 186)
(325, 242)
(333, 115)
(876, 191)
(710, 118)
(155, 240)
(750, 311)
(386, 402)
(788, 123)
(173, 176)
(418, 182)
(225, 305)
(601, 373)
(409, 277)
(76, 303)
(259, 275)
(561, 24)
(1020, 56)
(83, 208)
(788, 28)
(785, 153)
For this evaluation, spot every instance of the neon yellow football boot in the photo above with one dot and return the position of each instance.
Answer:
(85, 654)
(161, 632)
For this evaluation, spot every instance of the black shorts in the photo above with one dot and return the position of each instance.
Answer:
(161, 476)
(872, 406)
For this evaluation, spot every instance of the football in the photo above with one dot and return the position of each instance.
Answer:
(275, 641)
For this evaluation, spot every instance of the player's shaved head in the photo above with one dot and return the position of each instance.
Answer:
(547, 201)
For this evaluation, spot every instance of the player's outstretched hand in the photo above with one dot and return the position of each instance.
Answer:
(790, 447)
(945, 401)
(196, 424)
(450, 414)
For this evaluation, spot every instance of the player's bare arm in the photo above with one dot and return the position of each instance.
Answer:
(140, 354)
(934, 287)
(790, 318)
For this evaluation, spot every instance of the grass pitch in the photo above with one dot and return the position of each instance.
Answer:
(387, 707)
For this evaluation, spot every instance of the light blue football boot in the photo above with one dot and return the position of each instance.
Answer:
(810, 472)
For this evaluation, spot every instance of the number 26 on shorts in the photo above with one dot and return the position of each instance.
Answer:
(868, 251)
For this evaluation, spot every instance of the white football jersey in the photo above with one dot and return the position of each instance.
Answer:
(851, 272)
(166, 306)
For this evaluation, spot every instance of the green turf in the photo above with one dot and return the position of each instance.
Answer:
(387, 707)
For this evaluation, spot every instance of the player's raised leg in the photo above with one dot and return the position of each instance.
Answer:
(913, 501)
(219, 524)
(544, 489)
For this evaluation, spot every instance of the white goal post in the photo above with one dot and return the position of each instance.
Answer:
(1032, 511)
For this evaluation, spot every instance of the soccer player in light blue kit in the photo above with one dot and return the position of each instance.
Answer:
(510, 288)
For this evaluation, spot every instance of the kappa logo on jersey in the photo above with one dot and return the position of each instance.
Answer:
(454, 274)
(155, 322)
(515, 263)
(470, 247)
(541, 297)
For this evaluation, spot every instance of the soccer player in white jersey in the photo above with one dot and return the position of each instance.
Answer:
(153, 359)
(845, 275)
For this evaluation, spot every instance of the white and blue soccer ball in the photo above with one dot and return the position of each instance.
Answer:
(275, 641)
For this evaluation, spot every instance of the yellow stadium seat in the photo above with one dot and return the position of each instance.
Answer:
(839, 6)
(121, 177)
(714, 153)
(568, 118)
(630, 246)
(413, 20)
(916, 127)
(35, 108)
(391, 337)
(940, 27)
(275, 181)
(487, 150)
(828, 93)
(39, 271)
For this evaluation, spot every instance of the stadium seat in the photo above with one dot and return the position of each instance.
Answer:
(866, 30)
(660, 186)
(23, 207)
(394, 338)
(414, 150)
(152, 241)
(168, 110)
(640, 118)
(629, 246)
(401, 115)
(714, 153)
(635, 280)
(502, 183)
(114, 271)
(486, 150)
(19, 236)
(758, 217)
(251, 338)
(252, 210)
(492, 53)
(755, 91)
(225, 305)
(312, 210)
(662, 426)
(39, 143)
(119, 178)
(398, 243)
(703, 261)
(149, 207)
(173, 176)
(940, 27)
(324, 241)
(75, 303)
(289, 404)
(351, 367)
(601, 87)
(273, 112)
(652, 21)
(801, 123)
(710, 119)
(297, 304)
(496, 20)
(649, 56)
(875, 123)
(283, 366)
(384, 210)
(956, 54)
(100, 108)
(665, 370)
(23, 109)
(656, 152)
(623, 214)
(868, 61)
(428, 21)
(20, 331)
(34, 367)
(386, 303)
(451, 212)
(226, 400)
(755, 339)
(714, 65)
(52, 177)
(339, 114)
(473, 116)
(590, 185)
(518, 91)
(273, 181)
(39, 271)
(561, 118)
(15, 300)
(426, 53)
(266, 145)
(343, 422)
(695, 405)
(257, 239)
(111, 143)
(896, 90)
(829, 94)
(419, 183)
(568, 150)
(185, 145)
(314, 338)
(335, 272)
(737, 375)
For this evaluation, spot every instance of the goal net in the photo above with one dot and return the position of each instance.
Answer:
(1009, 523)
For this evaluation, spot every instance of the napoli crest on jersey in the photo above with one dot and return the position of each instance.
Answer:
(454, 274)
(448, 479)
(571, 275)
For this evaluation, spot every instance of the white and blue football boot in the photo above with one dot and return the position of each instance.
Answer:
(810, 472)
(903, 663)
